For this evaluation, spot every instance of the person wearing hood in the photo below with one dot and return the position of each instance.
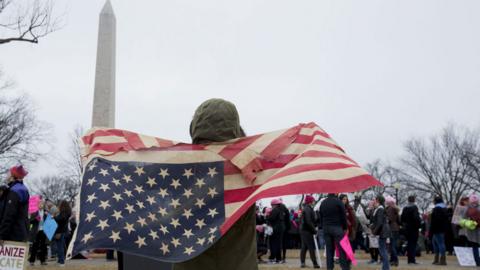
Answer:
(276, 220)
(15, 221)
(473, 234)
(393, 215)
(308, 231)
(438, 227)
(217, 120)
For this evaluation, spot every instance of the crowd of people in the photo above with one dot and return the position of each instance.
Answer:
(379, 227)
(17, 224)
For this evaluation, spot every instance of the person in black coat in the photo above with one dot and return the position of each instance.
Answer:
(14, 221)
(276, 219)
(37, 236)
(307, 232)
(334, 224)
(381, 229)
(438, 227)
(62, 219)
(411, 222)
(286, 236)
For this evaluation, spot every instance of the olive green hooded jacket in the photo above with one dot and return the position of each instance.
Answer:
(217, 120)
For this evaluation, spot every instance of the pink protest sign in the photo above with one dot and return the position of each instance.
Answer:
(345, 244)
(33, 204)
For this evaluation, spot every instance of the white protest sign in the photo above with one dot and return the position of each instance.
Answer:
(465, 256)
(13, 255)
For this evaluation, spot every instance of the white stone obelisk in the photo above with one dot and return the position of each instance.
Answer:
(104, 96)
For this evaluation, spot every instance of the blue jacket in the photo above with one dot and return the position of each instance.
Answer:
(14, 221)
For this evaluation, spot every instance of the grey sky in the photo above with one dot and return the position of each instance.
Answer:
(372, 73)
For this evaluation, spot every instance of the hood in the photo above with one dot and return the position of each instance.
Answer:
(215, 120)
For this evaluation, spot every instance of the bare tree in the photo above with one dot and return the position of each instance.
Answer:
(438, 166)
(55, 188)
(27, 23)
(22, 135)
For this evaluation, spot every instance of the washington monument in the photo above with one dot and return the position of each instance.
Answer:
(104, 96)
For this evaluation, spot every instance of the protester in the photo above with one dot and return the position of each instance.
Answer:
(372, 239)
(14, 223)
(438, 227)
(37, 236)
(449, 235)
(351, 219)
(393, 215)
(381, 229)
(473, 233)
(411, 221)
(334, 224)
(262, 247)
(65, 211)
(308, 231)
(285, 237)
(276, 219)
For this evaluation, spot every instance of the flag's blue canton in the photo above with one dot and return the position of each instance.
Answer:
(170, 212)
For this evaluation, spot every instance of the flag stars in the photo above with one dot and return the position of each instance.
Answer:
(151, 200)
(212, 172)
(212, 212)
(103, 172)
(175, 242)
(175, 222)
(128, 193)
(212, 230)
(140, 241)
(129, 208)
(104, 187)
(200, 223)
(115, 236)
(162, 211)
(87, 237)
(117, 196)
(102, 224)
(200, 203)
(164, 173)
(140, 204)
(187, 193)
(139, 189)
(175, 203)
(91, 198)
(117, 214)
(200, 182)
(201, 241)
(211, 238)
(90, 216)
(187, 213)
(187, 173)
(175, 183)
(104, 204)
(163, 192)
(164, 248)
(142, 221)
(189, 250)
(151, 182)
(152, 217)
(129, 227)
(91, 181)
(92, 166)
(153, 234)
(187, 233)
(164, 229)
(212, 192)
(139, 171)
(127, 178)
(115, 168)
(116, 182)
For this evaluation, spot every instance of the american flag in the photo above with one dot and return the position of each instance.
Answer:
(171, 201)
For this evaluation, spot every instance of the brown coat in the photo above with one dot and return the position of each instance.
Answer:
(393, 218)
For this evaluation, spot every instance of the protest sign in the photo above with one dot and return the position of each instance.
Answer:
(465, 256)
(33, 203)
(13, 255)
(49, 227)
(345, 244)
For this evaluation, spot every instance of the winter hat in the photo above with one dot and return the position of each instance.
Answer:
(389, 200)
(268, 210)
(259, 228)
(309, 199)
(18, 172)
(275, 201)
(473, 199)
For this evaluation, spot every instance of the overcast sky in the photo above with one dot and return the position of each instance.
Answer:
(371, 73)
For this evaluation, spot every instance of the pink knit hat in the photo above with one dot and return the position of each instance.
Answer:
(275, 201)
(473, 199)
(268, 211)
(309, 199)
(389, 200)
